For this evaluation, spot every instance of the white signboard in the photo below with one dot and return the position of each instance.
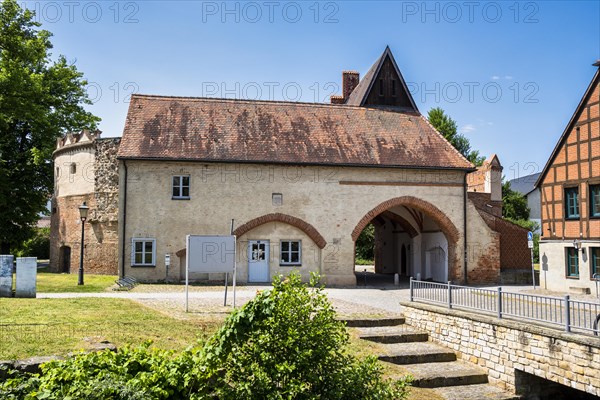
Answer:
(530, 244)
(6, 273)
(26, 277)
(210, 254)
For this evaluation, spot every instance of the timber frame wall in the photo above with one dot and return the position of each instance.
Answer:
(575, 163)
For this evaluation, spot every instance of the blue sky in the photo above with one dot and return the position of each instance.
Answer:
(510, 73)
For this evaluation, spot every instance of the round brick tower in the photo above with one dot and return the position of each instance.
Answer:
(85, 169)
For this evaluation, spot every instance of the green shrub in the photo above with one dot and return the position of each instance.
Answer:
(284, 344)
(287, 344)
(129, 374)
(37, 246)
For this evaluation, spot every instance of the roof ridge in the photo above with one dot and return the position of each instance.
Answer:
(274, 102)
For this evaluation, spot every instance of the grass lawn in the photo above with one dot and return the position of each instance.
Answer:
(48, 282)
(36, 327)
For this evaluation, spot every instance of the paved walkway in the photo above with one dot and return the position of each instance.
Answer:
(381, 298)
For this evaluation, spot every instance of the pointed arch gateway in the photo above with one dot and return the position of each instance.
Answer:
(445, 225)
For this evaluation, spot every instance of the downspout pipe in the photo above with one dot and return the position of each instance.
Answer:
(465, 280)
(124, 241)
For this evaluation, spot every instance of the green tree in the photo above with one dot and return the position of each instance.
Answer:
(40, 99)
(365, 244)
(514, 204)
(447, 127)
(516, 210)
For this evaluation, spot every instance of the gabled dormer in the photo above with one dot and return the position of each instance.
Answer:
(382, 86)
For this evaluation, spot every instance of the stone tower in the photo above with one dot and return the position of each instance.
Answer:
(85, 169)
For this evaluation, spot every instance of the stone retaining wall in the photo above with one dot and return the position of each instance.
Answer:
(505, 347)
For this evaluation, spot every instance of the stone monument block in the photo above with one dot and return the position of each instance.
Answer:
(6, 272)
(26, 277)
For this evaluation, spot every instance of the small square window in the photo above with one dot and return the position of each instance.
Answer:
(291, 253)
(572, 203)
(572, 261)
(143, 253)
(595, 200)
(277, 199)
(181, 187)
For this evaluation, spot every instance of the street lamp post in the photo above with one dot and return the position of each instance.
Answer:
(83, 212)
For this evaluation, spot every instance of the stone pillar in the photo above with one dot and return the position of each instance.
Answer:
(6, 271)
(26, 277)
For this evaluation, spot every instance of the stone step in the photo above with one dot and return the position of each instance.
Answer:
(475, 392)
(434, 375)
(392, 334)
(415, 353)
(371, 322)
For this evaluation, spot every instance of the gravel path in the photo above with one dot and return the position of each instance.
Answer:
(357, 301)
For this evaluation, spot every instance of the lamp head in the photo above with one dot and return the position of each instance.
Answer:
(83, 211)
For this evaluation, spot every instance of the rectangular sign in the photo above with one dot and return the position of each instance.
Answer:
(26, 277)
(530, 244)
(6, 273)
(210, 254)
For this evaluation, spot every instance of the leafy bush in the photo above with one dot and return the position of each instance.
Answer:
(284, 344)
(360, 261)
(129, 374)
(287, 344)
(37, 246)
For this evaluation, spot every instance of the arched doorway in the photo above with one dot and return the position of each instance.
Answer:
(64, 259)
(413, 238)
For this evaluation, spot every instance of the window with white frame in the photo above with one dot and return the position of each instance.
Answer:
(143, 252)
(291, 252)
(181, 187)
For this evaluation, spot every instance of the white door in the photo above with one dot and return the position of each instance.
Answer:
(258, 261)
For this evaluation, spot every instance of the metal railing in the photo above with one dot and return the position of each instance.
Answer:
(564, 312)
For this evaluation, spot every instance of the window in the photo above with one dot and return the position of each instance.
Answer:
(181, 187)
(595, 200)
(291, 252)
(73, 168)
(572, 256)
(572, 202)
(277, 199)
(143, 252)
(381, 87)
(394, 87)
(595, 262)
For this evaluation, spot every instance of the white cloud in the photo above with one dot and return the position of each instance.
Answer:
(467, 128)
(498, 77)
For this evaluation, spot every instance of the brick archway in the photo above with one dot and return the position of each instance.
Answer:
(304, 226)
(440, 218)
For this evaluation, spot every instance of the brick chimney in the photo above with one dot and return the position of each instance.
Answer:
(349, 82)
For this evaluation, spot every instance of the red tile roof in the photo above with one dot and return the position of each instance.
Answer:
(227, 130)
